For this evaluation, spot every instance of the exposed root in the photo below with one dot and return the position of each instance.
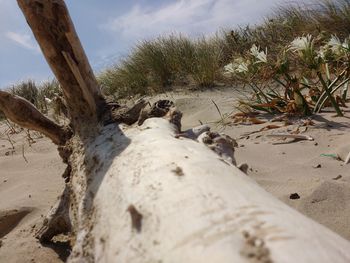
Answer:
(127, 115)
(158, 109)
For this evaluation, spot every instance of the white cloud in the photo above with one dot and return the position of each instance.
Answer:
(23, 40)
(192, 17)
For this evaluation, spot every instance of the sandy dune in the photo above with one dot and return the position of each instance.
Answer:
(282, 167)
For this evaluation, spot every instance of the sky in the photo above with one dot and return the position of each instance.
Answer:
(108, 29)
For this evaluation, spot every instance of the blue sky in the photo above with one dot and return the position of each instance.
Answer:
(108, 29)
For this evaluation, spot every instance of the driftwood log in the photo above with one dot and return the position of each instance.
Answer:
(147, 193)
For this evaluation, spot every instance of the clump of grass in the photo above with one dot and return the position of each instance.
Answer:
(155, 62)
(154, 66)
(206, 62)
(124, 80)
(26, 89)
(151, 67)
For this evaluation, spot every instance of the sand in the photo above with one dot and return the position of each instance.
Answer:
(27, 191)
(306, 169)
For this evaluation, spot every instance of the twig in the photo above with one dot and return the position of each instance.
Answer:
(268, 127)
(9, 139)
(293, 136)
(10, 126)
(222, 119)
(29, 138)
(23, 154)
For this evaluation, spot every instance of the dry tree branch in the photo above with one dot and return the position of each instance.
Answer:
(29, 138)
(10, 141)
(58, 40)
(23, 113)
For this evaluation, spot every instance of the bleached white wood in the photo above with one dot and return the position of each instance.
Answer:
(194, 206)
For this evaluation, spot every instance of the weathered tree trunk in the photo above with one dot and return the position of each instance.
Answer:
(153, 197)
(146, 194)
(57, 38)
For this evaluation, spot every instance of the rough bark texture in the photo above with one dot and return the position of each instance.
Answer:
(56, 35)
(25, 114)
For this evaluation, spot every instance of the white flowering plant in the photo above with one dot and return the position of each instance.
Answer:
(310, 74)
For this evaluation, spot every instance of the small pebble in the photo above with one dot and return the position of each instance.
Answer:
(315, 143)
(294, 196)
(338, 177)
(30, 196)
(317, 166)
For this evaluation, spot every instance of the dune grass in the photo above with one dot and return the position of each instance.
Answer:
(155, 65)
(26, 89)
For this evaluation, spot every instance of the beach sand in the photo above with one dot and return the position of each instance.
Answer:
(282, 167)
